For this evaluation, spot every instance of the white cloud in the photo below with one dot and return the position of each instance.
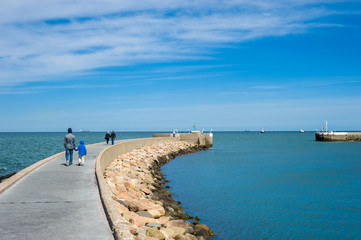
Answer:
(113, 33)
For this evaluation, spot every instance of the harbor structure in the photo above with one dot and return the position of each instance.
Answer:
(326, 135)
(338, 136)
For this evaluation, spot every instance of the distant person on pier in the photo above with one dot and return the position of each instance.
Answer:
(69, 144)
(107, 136)
(82, 152)
(113, 136)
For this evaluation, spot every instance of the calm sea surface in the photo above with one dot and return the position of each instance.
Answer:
(277, 185)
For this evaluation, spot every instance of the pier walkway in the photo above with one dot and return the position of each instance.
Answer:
(56, 202)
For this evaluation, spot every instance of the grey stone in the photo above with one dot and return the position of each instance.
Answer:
(123, 203)
(145, 214)
(157, 225)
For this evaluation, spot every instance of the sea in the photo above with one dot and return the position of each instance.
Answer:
(273, 185)
(250, 185)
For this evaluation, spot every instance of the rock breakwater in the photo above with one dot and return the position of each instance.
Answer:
(140, 194)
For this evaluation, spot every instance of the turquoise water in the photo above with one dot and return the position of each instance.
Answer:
(277, 185)
(20, 150)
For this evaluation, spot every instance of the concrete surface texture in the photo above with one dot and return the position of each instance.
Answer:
(56, 202)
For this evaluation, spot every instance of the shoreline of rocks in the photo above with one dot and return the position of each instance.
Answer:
(140, 195)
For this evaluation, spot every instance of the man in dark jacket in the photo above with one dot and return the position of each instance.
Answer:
(69, 144)
(113, 136)
(107, 136)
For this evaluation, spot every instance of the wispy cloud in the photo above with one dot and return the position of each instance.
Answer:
(37, 89)
(41, 39)
(328, 83)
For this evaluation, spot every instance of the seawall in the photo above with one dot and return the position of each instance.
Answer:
(120, 225)
(338, 136)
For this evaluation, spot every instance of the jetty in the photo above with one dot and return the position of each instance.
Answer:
(338, 136)
(51, 201)
(330, 136)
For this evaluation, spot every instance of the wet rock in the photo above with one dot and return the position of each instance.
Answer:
(203, 226)
(199, 231)
(184, 216)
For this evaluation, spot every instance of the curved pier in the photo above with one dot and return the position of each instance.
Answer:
(51, 201)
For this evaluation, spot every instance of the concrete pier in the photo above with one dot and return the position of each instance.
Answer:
(338, 136)
(51, 201)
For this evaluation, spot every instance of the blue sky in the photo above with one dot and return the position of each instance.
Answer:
(161, 65)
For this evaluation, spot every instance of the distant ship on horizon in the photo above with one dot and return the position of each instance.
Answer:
(262, 131)
(301, 131)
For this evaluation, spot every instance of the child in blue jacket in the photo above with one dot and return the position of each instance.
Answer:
(82, 152)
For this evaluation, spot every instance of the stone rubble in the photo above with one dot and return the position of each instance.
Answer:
(140, 195)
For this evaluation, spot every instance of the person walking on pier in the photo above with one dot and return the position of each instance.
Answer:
(107, 136)
(82, 152)
(113, 136)
(69, 144)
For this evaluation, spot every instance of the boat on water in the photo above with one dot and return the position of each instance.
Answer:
(301, 131)
(262, 131)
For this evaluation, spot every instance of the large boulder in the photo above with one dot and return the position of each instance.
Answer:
(182, 224)
(154, 232)
(171, 232)
(157, 213)
(185, 237)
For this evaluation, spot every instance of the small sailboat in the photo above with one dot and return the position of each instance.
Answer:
(262, 131)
